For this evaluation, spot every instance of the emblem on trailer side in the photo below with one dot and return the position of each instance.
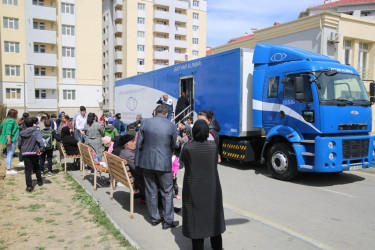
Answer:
(278, 57)
(354, 112)
(131, 103)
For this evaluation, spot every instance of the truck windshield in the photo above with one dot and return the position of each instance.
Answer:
(341, 89)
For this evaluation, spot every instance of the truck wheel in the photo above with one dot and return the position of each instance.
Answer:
(281, 162)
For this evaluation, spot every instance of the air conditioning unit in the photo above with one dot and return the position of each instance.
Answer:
(334, 37)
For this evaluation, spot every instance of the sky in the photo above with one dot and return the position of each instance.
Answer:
(233, 18)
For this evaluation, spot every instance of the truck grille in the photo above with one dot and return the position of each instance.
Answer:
(355, 148)
(352, 126)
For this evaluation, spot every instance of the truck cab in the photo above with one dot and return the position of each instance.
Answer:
(315, 112)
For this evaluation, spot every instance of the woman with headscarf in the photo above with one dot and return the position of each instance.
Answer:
(69, 142)
(94, 134)
(202, 200)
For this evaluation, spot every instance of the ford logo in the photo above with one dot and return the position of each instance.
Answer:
(354, 112)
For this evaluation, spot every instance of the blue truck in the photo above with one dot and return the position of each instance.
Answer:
(295, 110)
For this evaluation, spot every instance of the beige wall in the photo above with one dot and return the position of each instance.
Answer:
(89, 50)
(13, 35)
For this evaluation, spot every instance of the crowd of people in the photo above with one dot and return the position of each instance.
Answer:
(155, 149)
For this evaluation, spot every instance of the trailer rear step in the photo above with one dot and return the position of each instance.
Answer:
(306, 166)
(307, 141)
(308, 154)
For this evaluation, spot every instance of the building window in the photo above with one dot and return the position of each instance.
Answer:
(39, 25)
(195, 28)
(140, 47)
(141, 34)
(68, 30)
(160, 49)
(363, 60)
(68, 52)
(10, 23)
(141, 20)
(12, 70)
(141, 6)
(139, 73)
(195, 16)
(195, 41)
(196, 3)
(348, 13)
(161, 62)
(178, 51)
(141, 61)
(195, 53)
(177, 37)
(161, 36)
(13, 93)
(67, 8)
(69, 73)
(38, 2)
(178, 11)
(161, 9)
(13, 47)
(161, 22)
(365, 13)
(40, 94)
(69, 94)
(347, 51)
(39, 48)
(11, 2)
(40, 71)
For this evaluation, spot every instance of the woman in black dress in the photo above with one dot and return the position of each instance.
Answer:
(202, 200)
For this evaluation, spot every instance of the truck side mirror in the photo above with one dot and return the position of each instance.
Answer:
(299, 88)
(372, 89)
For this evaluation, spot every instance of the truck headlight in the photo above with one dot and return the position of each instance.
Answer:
(332, 156)
(331, 144)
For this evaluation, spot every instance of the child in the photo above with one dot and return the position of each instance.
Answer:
(48, 136)
(175, 167)
(107, 142)
(31, 145)
(110, 131)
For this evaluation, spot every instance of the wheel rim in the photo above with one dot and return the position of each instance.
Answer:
(279, 162)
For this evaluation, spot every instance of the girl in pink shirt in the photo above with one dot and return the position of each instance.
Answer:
(175, 167)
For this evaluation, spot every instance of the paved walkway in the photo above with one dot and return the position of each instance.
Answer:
(243, 232)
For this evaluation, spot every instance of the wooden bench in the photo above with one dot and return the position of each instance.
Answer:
(88, 160)
(119, 170)
(62, 152)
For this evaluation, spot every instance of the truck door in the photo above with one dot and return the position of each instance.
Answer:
(187, 86)
(272, 97)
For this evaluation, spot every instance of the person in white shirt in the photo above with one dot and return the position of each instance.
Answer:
(79, 124)
(169, 103)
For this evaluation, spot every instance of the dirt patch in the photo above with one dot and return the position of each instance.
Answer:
(48, 218)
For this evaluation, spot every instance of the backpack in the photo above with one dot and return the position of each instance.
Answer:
(109, 131)
(47, 138)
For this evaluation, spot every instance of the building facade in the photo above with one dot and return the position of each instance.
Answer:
(50, 55)
(144, 35)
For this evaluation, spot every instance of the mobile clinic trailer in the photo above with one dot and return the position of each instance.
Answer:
(294, 109)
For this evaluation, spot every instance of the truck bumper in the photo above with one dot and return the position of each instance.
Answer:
(336, 154)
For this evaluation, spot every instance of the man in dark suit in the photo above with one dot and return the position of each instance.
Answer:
(155, 144)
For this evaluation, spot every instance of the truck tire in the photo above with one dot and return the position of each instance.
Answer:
(281, 162)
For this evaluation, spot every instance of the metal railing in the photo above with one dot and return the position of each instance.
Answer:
(182, 112)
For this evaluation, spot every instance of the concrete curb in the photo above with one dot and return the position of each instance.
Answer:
(127, 237)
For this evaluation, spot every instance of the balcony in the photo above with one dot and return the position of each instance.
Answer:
(118, 41)
(161, 55)
(118, 55)
(161, 41)
(160, 66)
(161, 28)
(118, 14)
(181, 18)
(45, 82)
(181, 5)
(162, 2)
(43, 12)
(117, 3)
(179, 57)
(44, 59)
(118, 68)
(161, 14)
(180, 44)
(43, 104)
(181, 31)
(43, 36)
(118, 28)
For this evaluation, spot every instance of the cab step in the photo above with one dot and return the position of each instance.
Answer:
(308, 154)
(306, 166)
(307, 141)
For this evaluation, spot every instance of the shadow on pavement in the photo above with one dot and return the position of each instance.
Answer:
(236, 221)
(327, 179)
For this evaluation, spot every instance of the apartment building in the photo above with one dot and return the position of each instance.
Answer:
(144, 35)
(50, 55)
